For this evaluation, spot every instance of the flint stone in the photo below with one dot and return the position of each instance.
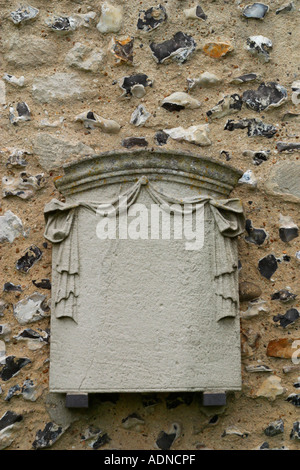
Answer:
(31, 309)
(267, 95)
(216, 50)
(14, 80)
(195, 12)
(295, 432)
(152, 18)
(255, 127)
(178, 48)
(130, 142)
(13, 366)
(256, 11)
(32, 255)
(282, 347)
(11, 227)
(270, 388)
(8, 422)
(52, 152)
(286, 8)
(10, 287)
(230, 104)
(123, 50)
(48, 436)
(57, 87)
(259, 45)
(161, 138)
(255, 235)
(180, 100)
(288, 318)
(294, 398)
(274, 428)
(165, 440)
(287, 147)
(206, 79)
(24, 13)
(128, 83)
(248, 77)
(283, 295)
(197, 135)
(139, 116)
(267, 266)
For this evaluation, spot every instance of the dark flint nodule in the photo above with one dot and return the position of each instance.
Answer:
(283, 295)
(137, 79)
(22, 109)
(289, 317)
(12, 366)
(260, 157)
(181, 43)
(124, 50)
(28, 333)
(151, 18)
(9, 418)
(235, 103)
(164, 440)
(200, 13)
(161, 138)
(101, 440)
(285, 8)
(90, 115)
(288, 234)
(255, 235)
(32, 255)
(256, 11)
(267, 94)
(61, 24)
(295, 432)
(248, 77)
(10, 287)
(226, 155)
(172, 107)
(43, 284)
(260, 48)
(134, 142)
(254, 126)
(294, 399)
(287, 147)
(274, 428)
(47, 436)
(267, 266)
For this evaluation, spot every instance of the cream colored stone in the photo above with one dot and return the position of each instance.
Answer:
(57, 87)
(194, 134)
(271, 388)
(92, 120)
(111, 18)
(85, 58)
(182, 99)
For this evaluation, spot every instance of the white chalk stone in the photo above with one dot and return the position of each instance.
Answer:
(206, 79)
(11, 227)
(111, 18)
(14, 80)
(31, 309)
(193, 134)
(139, 116)
(92, 120)
(181, 98)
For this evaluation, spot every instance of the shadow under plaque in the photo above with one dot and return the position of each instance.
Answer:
(145, 288)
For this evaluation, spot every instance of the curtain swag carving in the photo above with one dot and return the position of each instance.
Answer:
(61, 229)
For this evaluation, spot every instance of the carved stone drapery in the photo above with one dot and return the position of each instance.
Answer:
(61, 228)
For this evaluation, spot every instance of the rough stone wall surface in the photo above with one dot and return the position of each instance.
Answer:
(53, 73)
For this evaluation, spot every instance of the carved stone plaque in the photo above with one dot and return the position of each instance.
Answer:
(145, 293)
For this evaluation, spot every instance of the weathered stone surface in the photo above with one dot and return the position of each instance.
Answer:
(86, 58)
(57, 87)
(52, 152)
(282, 347)
(283, 180)
(2, 92)
(23, 14)
(28, 50)
(206, 79)
(24, 186)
